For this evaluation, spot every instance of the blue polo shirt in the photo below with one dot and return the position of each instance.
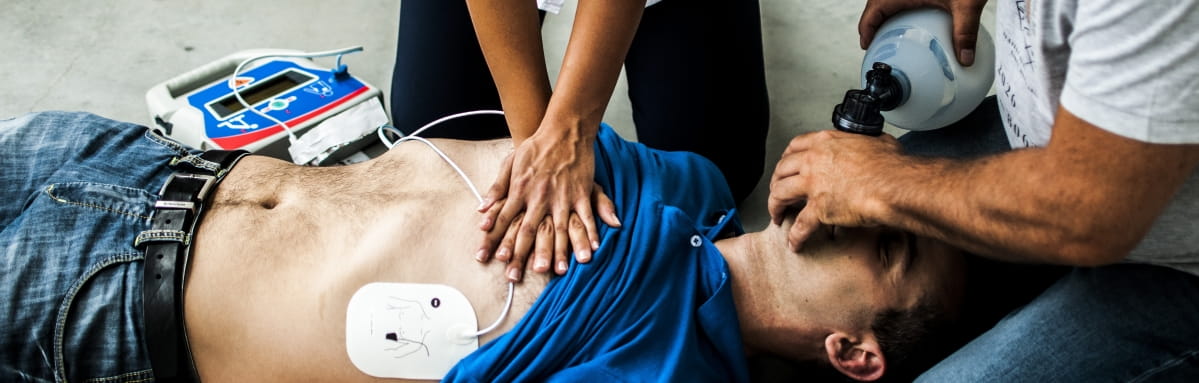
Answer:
(654, 303)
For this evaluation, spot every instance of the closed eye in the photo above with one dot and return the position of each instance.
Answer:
(911, 240)
(892, 244)
(885, 241)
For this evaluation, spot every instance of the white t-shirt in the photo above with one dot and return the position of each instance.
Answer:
(554, 6)
(1128, 67)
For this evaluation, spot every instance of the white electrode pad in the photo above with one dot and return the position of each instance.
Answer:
(409, 330)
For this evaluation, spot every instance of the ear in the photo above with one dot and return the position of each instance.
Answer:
(860, 359)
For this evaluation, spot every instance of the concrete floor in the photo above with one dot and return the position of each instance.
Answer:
(101, 57)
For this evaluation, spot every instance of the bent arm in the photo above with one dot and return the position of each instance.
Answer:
(1086, 199)
(551, 170)
(509, 34)
(599, 41)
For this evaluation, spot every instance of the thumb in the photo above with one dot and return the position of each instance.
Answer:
(605, 207)
(806, 223)
(499, 189)
(966, 15)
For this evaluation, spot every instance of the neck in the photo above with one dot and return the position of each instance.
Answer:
(769, 320)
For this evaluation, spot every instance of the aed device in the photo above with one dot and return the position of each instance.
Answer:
(199, 108)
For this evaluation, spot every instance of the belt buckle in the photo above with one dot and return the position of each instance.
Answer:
(185, 205)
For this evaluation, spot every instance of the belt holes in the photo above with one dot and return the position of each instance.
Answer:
(157, 276)
(159, 255)
(168, 221)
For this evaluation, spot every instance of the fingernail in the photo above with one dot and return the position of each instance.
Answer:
(481, 205)
(486, 221)
(502, 254)
(966, 56)
(790, 245)
(541, 264)
(481, 255)
(618, 224)
(584, 256)
(561, 267)
(594, 245)
(514, 274)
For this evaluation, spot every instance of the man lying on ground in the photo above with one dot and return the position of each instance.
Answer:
(676, 293)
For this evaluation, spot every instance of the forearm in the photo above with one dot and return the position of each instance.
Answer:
(509, 33)
(1001, 206)
(600, 39)
(1086, 199)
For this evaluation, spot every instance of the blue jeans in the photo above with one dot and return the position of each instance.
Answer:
(75, 189)
(1117, 323)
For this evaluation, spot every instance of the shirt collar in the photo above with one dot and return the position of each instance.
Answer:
(725, 220)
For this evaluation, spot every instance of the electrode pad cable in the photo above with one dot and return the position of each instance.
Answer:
(414, 137)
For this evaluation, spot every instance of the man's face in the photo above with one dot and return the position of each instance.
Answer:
(843, 279)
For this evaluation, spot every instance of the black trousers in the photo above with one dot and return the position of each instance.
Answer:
(695, 72)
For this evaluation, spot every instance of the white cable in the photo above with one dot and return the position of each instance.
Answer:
(453, 116)
(413, 137)
(383, 136)
(503, 314)
(437, 150)
(291, 136)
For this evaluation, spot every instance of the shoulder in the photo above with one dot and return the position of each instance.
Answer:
(630, 173)
(1131, 65)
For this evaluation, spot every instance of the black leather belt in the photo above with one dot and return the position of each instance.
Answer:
(167, 245)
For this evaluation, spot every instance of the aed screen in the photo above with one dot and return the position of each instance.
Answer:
(258, 92)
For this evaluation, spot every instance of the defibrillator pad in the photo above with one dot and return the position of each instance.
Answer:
(409, 330)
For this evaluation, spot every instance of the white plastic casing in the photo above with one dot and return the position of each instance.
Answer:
(918, 44)
(168, 101)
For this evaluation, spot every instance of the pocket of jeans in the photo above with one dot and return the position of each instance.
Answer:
(97, 333)
(98, 330)
(120, 200)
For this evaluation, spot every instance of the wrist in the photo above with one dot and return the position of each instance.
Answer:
(570, 131)
(893, 182)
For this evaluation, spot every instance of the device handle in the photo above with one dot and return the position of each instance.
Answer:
(215, 70)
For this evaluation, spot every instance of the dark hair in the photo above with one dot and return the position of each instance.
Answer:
(913, 340)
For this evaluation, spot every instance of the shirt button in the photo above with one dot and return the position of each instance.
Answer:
(696, 241)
